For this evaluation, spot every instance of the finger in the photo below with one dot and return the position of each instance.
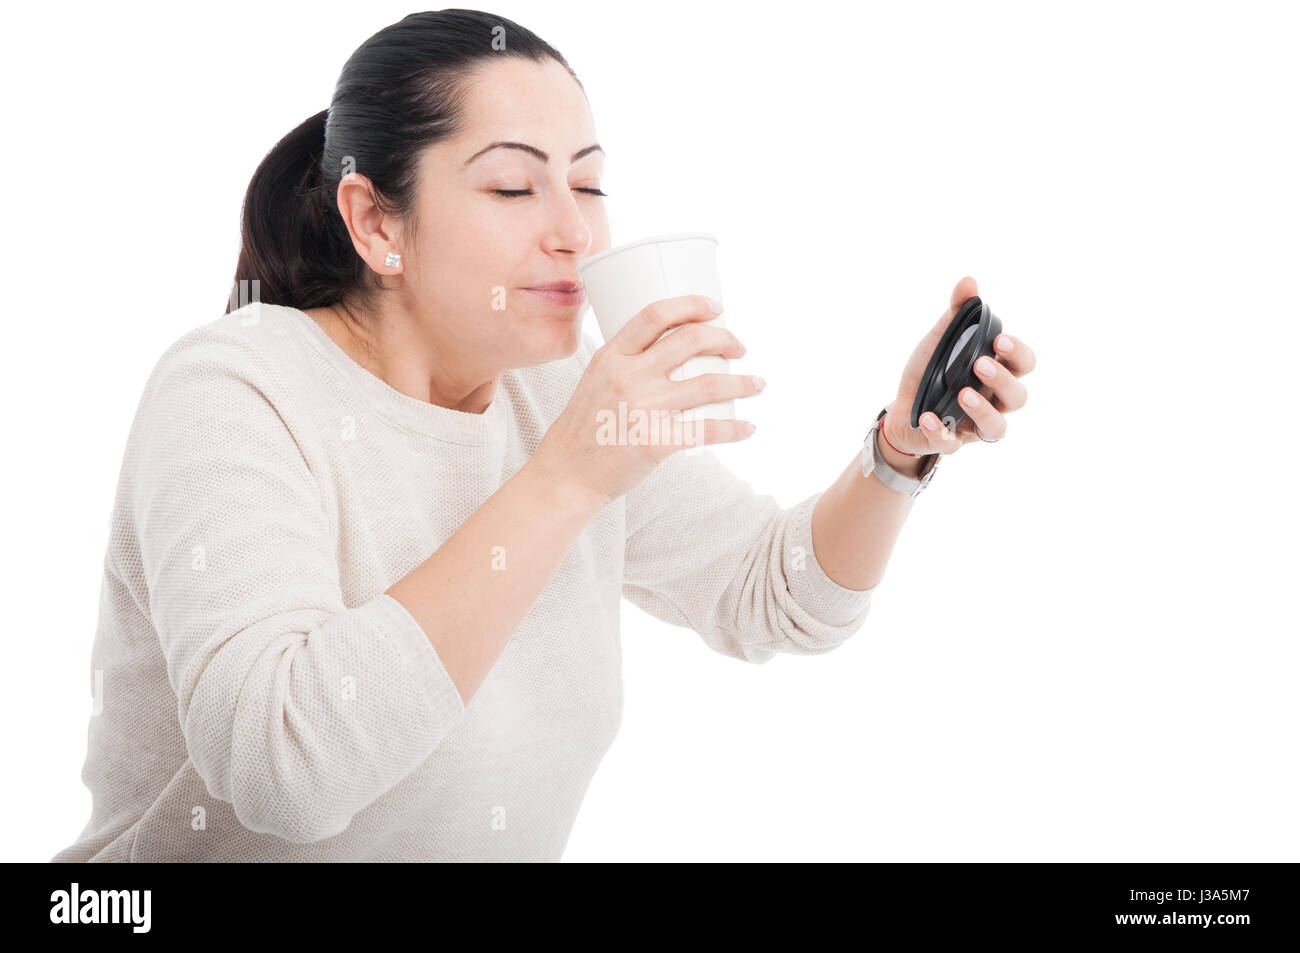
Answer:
(710, 389)
(709, 430)
(649, 324)
(962, 292)
(681, 343)
(938, 435)
(1010, 391)
(1015, 354)
(984, 416)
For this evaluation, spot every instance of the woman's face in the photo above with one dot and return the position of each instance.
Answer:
(478, 251)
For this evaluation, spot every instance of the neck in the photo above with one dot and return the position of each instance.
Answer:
(409, 356)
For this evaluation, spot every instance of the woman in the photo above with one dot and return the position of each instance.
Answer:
(361, 595)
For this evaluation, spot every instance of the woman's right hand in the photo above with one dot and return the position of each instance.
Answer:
(590, 443)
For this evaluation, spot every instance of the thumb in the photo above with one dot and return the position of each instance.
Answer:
(962, 292)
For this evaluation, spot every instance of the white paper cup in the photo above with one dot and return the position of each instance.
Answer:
(620, 283)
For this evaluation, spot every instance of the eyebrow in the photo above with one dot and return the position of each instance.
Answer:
(532, 150)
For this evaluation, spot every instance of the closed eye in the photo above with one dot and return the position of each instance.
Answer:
(512, 193)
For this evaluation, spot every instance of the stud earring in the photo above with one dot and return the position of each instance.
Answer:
(392, 259)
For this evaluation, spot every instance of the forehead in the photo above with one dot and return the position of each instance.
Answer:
(531, 101)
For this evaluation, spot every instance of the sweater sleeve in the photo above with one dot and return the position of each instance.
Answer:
(705, 552)
(296, 709)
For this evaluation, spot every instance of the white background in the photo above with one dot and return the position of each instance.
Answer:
(1085, 644)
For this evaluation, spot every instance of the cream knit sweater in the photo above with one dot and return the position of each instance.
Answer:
(257, 696)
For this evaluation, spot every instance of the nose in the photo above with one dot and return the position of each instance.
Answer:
(570, 233)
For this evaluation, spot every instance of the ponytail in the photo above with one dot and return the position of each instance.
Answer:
(300, 255)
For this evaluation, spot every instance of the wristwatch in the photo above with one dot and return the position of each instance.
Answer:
(874, 462)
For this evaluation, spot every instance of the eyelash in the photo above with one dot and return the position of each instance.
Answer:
(512, 193)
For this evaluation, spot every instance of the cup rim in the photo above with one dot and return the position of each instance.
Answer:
(652, 240)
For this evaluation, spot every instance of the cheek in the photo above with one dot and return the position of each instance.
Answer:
(598, 222)
(466, 259)
(464, 233)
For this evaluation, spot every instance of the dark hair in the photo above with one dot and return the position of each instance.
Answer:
(400, 91)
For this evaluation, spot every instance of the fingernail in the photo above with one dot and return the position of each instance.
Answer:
(968, 398)
(759, 383)
(1005, 345)
(715, 306)
(987, 366)
(929, 423)
(749, 428)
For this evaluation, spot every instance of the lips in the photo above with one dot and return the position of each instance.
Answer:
(556, 286)
(565, 293)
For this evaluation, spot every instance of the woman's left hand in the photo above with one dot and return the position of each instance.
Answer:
(1001, 393)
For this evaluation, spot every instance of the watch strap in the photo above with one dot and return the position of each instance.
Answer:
(873, 461)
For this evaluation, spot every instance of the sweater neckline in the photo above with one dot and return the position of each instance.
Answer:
(433, 420)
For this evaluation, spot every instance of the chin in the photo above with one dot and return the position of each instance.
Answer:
(554, 336)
